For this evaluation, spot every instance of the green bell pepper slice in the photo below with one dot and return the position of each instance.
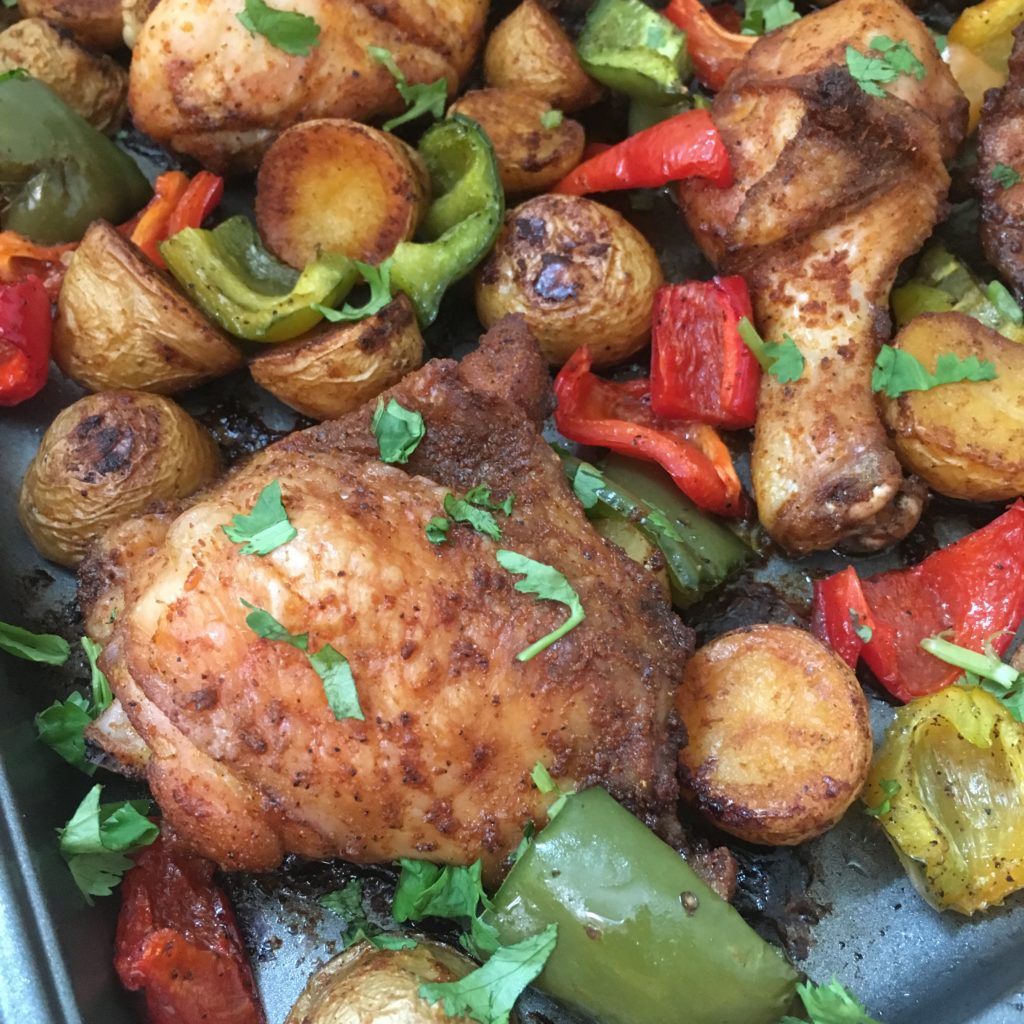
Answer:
(57, 173)
(243, 288)
(641, 938)
(633, 49)
(461, 223)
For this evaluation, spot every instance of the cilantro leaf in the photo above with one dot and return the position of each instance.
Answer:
(489, 993)
(893, 59)
(97, 874)
(398, 431)
(830, 1004)
(102, 697)
(265, 626)
(897, 371)
(428, 890)
(551, 119)
(46, 648)
(264, 529)
(339, 684)
(1000, 297)
(481, 496)
(379, 280)
(761, 16)
(863, 631)
(460, 510)
(437, 530)
(62, 727)
(781, 359)
(586, 483)
(546, 784)
(524, 844)
(422, 99)
(549, 585)
(899, 56)
(383, 940)
(294, 33)
(987, 670)
(890, 787)
(346, 902)
(1004, 175)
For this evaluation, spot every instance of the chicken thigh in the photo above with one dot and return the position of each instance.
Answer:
(245, 757)
(834, 188)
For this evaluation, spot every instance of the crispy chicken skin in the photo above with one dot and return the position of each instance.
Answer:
(246, 759)
(1001, 141)
(834, 188)
(204, 85)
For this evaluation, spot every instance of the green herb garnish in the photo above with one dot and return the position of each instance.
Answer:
(897, 371)
(890, 787)
(830, 1004)
(1004, 176)
(551, 119)
(398, 431)
(379, 280)
(762, 16)
(46, 648)
(264, 529)
(546, 784)
(289, 31)
(781, 359)
(422, 99)
(893, 59)
(460, 510)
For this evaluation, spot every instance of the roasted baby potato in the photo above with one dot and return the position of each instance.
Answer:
(964, 440)
(134, 14)
(334, 185)
(89, 83)
(578, 272)
(95, 24)
(369, 984)
(531, 156)
(105, 458)
(340, 366)
(121, 323)
(530, 51)
(778, 738)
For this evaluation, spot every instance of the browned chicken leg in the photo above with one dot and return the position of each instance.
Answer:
(834, 188)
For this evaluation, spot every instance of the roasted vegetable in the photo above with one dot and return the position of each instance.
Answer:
(57, 173)
(333, 185)
(778, 739)
(965, 440)
(715, 51)
(534, 145)
(947, 786)
(640, 935)
(105, 458)
(26, 332)
(531, 52)
(95, 24)
(578, 272)
(341, 366)
(123, 324)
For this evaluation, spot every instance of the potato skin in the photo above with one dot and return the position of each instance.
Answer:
(579, 273)
(531, 158)
(339, 367)
(105, 458)
(90, 83)
(964, 440)
(531, 52)
(122, 323)
(334, 185)
(96, 24)
(779, 742)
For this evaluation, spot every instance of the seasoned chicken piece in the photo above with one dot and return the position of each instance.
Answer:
(1001, 141)
(246, 758)
(834, 188)
(203, 84)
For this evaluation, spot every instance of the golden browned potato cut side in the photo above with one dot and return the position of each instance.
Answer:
(95, 24)
(779, 742)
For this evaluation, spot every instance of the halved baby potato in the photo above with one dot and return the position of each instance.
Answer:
(778, 738)
(334, 185)
(122, 323)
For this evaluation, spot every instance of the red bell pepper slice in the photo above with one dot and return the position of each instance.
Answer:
(201, 198)
(178, 941)
(685, 146)
(26, 330)
(618, 416)
(715, 51)
(840, 610)
(177, 204)
(21, 258)
(973, 588)
(700, 367)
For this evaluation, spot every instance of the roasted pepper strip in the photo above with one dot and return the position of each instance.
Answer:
(640, 935)
(685, 146)
(972, 589)
(57, 173)
(26, 329)
(617, 416)
(178, 204)
(178, 941)
(715, 51)
(700, 367)
(841, 616)
(21, 258)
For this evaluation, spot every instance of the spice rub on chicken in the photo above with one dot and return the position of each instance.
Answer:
(246, 758)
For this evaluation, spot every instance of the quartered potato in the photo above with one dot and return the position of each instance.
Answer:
(778, 739)
(964, 440)
(122, 323)
(334, 185)
(95, 24)
(531, 155)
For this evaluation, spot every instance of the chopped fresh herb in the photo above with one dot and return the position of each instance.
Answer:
(422, 99)
(761, 16)
(62, 727)
(289, 31)
(489, 993)
(524, 844)
(781, 359)
(546, 784)
(863, 631)
(102, 697)
(1005, 176)
(46, 648)
(899, 55)
(894, 59)
(347, 903)
(890, 787)
(14, 72)
(986, 670)
(94, 842)
(897, 371)
(379, 280)
(437, 529)
(939, 39)
(339, 684)
(1000, 297)
(382, 940)
(549, 585)
(830, 1004)
(265, 626)
(398, 431)
(461, 511)
(481, 496)
(264, 529)
(428, 890)
(551, 119)
(586, 483)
